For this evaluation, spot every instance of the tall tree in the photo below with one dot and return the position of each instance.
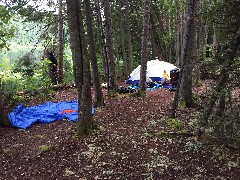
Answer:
(227, 57)
(184, 92)
(129, 36)
(110, 46)
(101, 39)
(99, 102)
(83, 81)
(125, 67)
(60, 42)
(178, 29)
(6, 30)
(144, 50)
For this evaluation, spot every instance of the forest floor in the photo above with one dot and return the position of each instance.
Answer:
(134, 142)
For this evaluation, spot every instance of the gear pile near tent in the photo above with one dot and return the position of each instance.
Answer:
(155, 70)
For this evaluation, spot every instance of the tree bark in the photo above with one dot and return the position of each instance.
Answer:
(102, 44)
(83, 76)
(60, 42)
(128, 25)
(144, 50)
(178, 27)
(99, 102)
(125, 67)
(1, 103)
(188, 53)
(110, 46)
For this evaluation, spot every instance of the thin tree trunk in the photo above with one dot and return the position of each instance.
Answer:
(110, 46)
(1, 103)
(125, 67)
(144, 50)
(130, 51)
(99, 102)
(156, 40)
(102, 44)
(230, 50)
(60, 42)
(178, 27)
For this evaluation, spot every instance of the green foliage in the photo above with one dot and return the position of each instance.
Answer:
(25, 65)
(182, 104)
(68, 69)
(197, 83)
(174, 123)
(13, 83)
(45, 148)
(6, 28)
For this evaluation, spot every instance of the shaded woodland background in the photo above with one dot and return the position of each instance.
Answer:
(103, 41)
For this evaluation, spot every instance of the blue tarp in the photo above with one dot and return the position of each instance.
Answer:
(24, 117)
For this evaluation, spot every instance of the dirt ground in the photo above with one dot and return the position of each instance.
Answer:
(134, 142)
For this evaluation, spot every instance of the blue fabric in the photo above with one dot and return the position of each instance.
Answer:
(155, 79)
(24, 117)
(132, 81)
(156, 86)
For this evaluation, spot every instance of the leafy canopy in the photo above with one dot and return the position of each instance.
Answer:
(6, 29)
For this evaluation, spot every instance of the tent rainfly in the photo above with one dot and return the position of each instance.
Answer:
(155, 69)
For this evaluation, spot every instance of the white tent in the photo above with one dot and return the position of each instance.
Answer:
(155, 69)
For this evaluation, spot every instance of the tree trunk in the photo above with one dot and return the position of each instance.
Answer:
(178, 27)
(221, 104)
(101, 37)
(1, 103)
(130, 51)
(99, 102)
(60, 43)
(230, 51)
(188, 53)
(144, 50)
(125, 67)
(83, 77)
(110, 46)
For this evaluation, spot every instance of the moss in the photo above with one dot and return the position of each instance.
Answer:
(174, 123)
(45, 148)
(182, 104)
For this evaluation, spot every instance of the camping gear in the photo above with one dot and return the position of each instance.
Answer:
(155, 71)
(24, 117)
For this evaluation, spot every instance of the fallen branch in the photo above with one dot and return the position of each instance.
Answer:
(40, 90)
(172, 133)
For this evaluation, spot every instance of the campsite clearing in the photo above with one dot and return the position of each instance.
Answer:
(129, 145)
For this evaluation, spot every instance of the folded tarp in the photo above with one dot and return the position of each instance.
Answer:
(24, 117)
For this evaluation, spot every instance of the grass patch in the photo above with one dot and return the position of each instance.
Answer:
(175, 123)
(45, 148)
